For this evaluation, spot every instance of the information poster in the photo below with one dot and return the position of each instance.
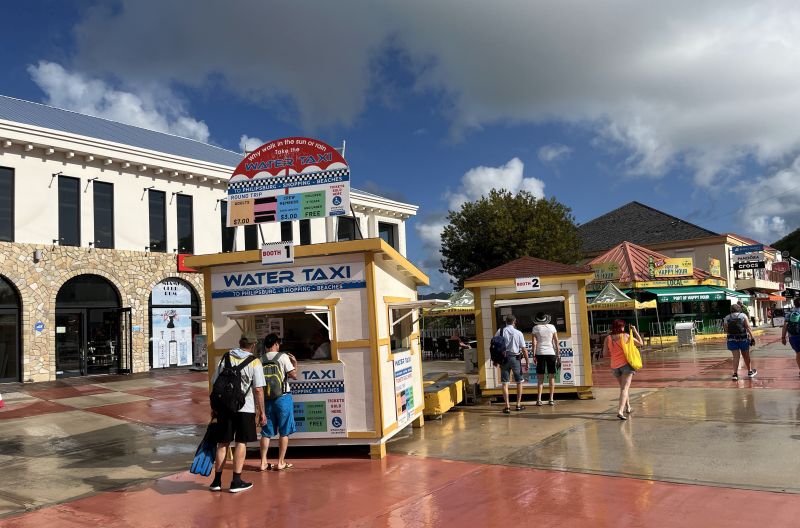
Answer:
(172, 337)
(319, 402)
(269, 325)
(404, 388)
(287, 179)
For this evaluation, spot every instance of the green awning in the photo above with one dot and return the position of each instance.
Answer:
(687, 294)
(734, 295)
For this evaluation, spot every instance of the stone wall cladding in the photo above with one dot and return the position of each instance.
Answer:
(133, 273)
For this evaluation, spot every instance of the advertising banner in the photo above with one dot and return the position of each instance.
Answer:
(404, 388)
(319, 402)
(671, 267)
(288, 280)
(741, 250)
(781, 267)
(606, 271)
(172, 337)
(714, 267)
(292, 178)
(171, 293)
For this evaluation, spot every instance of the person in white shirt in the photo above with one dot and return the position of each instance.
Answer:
(321, 344)
(279, 411)
(546, 354)
(515, 347)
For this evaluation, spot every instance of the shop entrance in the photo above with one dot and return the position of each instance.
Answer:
(92, 330)
(9, 332)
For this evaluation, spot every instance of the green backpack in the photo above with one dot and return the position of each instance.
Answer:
(275, 378)
(793, 326)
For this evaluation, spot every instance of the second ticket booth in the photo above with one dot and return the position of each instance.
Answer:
(348, 311)
(525, 287)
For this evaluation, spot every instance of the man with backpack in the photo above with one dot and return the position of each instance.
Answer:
(740, 337)
(237, 400)
(791, 326)
(506, 347)
(278, 368)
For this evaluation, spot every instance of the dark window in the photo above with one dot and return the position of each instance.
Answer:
(251, 237)
(388, 232)
(103, 194)
(525, 314)
(185, 224)
(346, 228)
(228, 233)
(286, 232)
(158, 221)
(69, 211)
(305, 232)
(6, 204)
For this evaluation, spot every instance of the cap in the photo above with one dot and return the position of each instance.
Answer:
(249, 336)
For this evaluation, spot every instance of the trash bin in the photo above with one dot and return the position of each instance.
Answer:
(470, 360)
(685, 333)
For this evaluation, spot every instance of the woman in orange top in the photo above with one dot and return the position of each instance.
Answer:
(614, 344)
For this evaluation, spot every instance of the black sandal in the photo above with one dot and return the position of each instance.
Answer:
(507, 410)
(520, 407)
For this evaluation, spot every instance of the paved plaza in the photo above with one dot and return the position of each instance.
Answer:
(699, 450)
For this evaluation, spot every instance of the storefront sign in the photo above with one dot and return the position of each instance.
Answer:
(781, 267)
(171, 293)
(319, 401)
(300, 279)
(404, 388)
(714, 267)
(289, 179)
(277, 253)
(606, 271)
(671, 267)
(748, 257)
(741, 250)
(528, 284)
(690, 297)
(749, 264)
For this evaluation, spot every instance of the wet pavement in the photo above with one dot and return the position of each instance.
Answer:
(699, 450)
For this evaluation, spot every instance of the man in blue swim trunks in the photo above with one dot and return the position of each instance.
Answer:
(280, 411)
(791, 326)
(739, 338)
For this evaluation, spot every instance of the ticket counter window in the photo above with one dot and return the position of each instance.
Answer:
(302, 334)
(402, 327)
(525, 311)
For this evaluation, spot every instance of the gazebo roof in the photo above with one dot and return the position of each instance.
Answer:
(634, 262)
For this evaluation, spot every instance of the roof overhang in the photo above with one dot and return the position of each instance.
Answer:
(527, 300)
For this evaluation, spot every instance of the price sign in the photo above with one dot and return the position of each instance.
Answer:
(277, 253)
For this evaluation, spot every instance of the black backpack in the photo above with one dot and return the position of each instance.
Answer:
(736, 325)
(498, 349)
(227, 396)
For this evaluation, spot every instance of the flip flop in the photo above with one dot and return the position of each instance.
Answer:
(507, 410)
(268, 468)
(284, 468)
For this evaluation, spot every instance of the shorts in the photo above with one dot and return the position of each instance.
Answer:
(238, 427)
(794, 342)
(512, 364)
(738, 343)
(624, 369)
(545, 365)
(280, 417)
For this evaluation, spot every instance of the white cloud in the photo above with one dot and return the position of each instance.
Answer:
(249, 144)
(554, 152)
(479, 181)
(767, 228)
(153, 107)
(770, 208)
(706, 84)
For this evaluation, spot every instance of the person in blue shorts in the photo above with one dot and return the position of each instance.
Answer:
(740, 337)
(791, 326)
(280, 411)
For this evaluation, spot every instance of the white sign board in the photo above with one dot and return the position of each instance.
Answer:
(298, 279)
(404, 388)
(277, 253)
(319, 402)
(528, 284)
(171, 292)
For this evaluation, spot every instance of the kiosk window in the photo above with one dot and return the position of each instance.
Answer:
(401, 329)
(525, 314)
(302, 334)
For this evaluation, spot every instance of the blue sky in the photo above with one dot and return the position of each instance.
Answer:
(689, 109)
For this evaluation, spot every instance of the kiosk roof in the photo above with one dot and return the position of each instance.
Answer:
(529, 267)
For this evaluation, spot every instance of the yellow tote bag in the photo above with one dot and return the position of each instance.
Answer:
(632, 355)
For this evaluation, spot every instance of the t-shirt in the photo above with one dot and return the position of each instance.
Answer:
(730, 317)
(253, 372)
(323, 351)
(514, 340)
(617, 350)
(544, 339)
(285, 363)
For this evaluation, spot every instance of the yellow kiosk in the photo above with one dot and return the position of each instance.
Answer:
(348, 311)
(524, 287)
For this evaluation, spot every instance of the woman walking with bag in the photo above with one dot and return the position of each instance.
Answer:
(616, 344)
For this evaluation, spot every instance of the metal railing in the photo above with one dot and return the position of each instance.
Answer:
(464, 331)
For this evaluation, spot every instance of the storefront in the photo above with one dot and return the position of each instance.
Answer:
(348, 311)
(9, 332)
(523, 288)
